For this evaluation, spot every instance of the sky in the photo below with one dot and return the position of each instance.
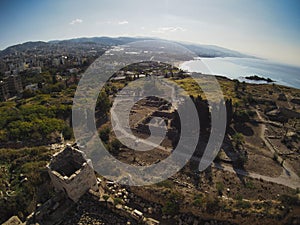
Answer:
(264, 28)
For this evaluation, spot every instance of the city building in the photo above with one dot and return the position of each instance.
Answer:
(4, 93)
(14, 84)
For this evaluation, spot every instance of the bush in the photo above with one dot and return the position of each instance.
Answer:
(238, 140)
(241, 160)
(241, 116)
(289, 200)
(166, 183)
(249, 185)
(198, 200)
(117, 201)
(170, 208)
(220, 187)
(67, 133)
(238, 197)
(115, 146)
(28, 93)
(243, 204)
(212, 205)
(104, 134)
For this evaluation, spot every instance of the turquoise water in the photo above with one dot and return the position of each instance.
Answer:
(238, 68)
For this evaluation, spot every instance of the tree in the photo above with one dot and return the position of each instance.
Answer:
(27, 93)
(104, 134)
(105, 197)
(54, 79)
(170, 208)
(103, 104)
(115, 146)
(220, 188)
(67, 132)
(238, 140)
(236, 85)
(243, 86)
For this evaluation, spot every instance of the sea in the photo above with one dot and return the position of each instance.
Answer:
(239, 68)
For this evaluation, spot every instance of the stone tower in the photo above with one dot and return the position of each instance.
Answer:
(71, 173)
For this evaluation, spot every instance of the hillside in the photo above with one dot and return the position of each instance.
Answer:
(200, 50)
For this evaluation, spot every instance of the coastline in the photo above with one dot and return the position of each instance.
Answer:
(240, 68)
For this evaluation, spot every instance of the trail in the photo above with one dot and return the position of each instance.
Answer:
(287, 178)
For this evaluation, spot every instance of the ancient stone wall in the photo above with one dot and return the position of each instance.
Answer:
(71, 173)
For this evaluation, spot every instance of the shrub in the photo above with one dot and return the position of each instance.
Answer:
(166, 183)
(220, 187)
(104, 134)
(170, 208)
(67, 132)
(241, 116)
(115, 146)
(243, 204)
(212, 205)
(117, 201)
(238, 197)
(249, 185)
(289, 200)
(238, 140)
(198, 200)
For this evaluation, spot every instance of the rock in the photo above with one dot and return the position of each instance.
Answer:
(282, 97)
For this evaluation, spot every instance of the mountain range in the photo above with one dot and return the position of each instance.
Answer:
(92, 42)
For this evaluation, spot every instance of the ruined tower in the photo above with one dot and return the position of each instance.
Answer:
(71, 173)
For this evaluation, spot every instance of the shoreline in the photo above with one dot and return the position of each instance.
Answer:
(227, 67)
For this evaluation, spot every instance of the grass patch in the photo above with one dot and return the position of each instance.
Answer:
(166, 184)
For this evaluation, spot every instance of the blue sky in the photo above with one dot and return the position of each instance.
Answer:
(265, 28)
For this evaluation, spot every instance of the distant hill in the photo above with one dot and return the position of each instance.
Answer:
(212, 51)
(200, 50)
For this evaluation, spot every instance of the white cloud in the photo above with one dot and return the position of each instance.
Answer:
(123, 22)
(76, 21)
(114, 22)
(162, 30)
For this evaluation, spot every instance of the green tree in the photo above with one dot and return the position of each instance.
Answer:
(238, 140)
(104, 134)
(105, 197)
(103, 104)
(67, 132)
(220, 187)
(28, 93)
(236, 85)
(115, 146)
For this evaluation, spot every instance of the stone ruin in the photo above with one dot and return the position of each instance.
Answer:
(72, 173)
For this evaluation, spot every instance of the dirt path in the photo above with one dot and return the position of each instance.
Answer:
(282, 179)
(269, 145)
(287, 178)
